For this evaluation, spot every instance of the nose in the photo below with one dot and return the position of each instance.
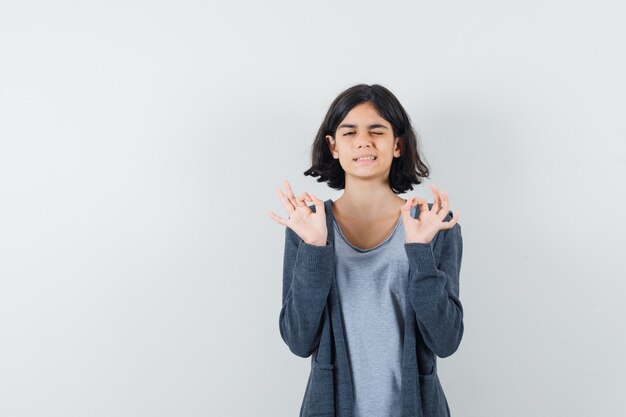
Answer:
(362, 139)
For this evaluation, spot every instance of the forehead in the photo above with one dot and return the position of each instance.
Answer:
(363, 114)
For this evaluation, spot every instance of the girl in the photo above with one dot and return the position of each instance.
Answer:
(371, 280)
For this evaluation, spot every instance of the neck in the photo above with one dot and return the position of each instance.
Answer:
(359, 194)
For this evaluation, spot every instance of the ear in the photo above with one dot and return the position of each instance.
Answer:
(398, 147)
(332, 145)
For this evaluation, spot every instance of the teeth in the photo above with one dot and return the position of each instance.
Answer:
(370, 158)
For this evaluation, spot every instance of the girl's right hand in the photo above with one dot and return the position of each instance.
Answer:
(309, 225)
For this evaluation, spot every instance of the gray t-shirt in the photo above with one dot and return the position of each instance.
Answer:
(372, 287)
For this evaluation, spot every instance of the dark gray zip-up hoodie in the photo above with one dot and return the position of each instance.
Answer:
(310, 321)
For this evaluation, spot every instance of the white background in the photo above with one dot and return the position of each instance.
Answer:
(142, 143)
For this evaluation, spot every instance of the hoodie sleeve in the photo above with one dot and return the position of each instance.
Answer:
(434, 291)
(307, 277)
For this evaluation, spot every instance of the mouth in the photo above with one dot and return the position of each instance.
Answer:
(369, 158)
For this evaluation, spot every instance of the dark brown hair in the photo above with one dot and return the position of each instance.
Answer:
(406, 170)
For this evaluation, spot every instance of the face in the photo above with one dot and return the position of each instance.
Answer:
(364, 132)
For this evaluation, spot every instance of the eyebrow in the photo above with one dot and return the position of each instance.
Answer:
(351, 126)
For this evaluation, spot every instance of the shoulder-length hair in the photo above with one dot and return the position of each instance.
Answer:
(406, 170)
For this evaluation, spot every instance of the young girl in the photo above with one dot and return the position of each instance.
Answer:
(371, 280)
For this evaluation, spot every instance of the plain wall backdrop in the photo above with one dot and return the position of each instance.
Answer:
(142, 143)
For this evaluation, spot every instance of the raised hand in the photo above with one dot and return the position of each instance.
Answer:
(309, 225)
(425, 227)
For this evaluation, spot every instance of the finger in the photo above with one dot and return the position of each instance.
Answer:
(444, 205)
(290, 195)
(288, 204)
(440, 203)
(455, 220)
(421, 202)
(423, 205)
(319, 204)
(276, 218)
(436, 201)
(405, 210)
(408, 203)
(302, 198)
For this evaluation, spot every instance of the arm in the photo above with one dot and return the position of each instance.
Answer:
(307, 277)
(434, 292)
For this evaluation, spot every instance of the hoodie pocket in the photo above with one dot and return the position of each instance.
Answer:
(321, 391)
(433, 399)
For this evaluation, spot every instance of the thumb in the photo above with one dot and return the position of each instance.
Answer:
(319, 204)
(405, 210)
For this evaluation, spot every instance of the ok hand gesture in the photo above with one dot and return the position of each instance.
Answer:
(425, 227)
(310, 226)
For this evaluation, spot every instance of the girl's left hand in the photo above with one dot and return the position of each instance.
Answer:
(425, 227)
